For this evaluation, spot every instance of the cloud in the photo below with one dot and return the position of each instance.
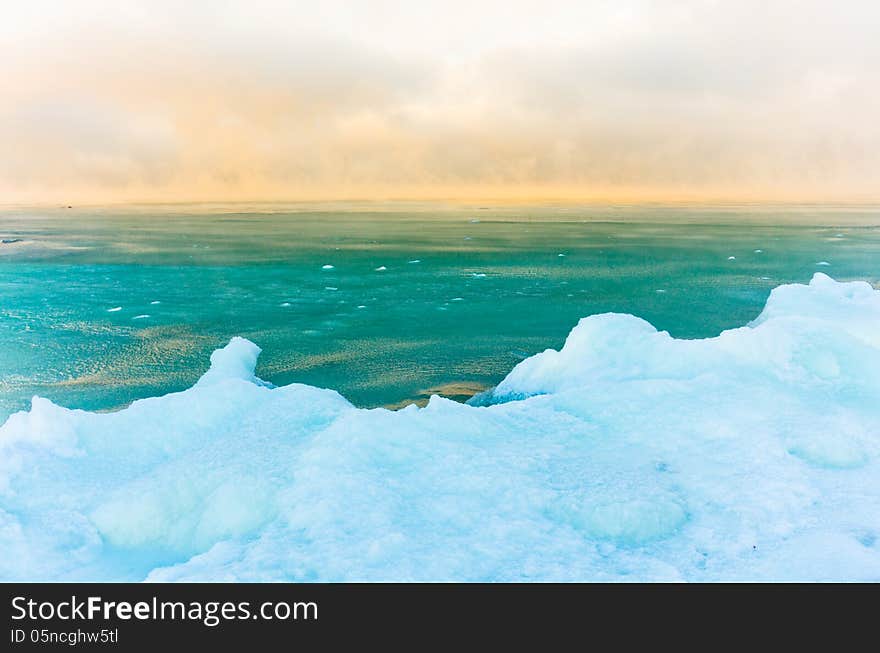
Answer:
(263, 100)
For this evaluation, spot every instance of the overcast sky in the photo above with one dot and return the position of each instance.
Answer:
(624, 100)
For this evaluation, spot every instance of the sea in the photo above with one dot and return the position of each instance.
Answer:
(387, 303)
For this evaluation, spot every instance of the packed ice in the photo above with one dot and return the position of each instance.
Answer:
(625, 455)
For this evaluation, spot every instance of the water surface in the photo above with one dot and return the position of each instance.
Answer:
(384, 303)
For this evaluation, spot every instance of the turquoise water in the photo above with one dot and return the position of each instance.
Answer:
(465, 293)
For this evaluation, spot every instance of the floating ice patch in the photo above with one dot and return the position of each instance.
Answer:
(731, 258)
(415, 260)
(285, 304)
(759, 251)
(823, 263)
(114, 309)
(381, 268)
(560, 255)
(330, 288)
(626, 454)
(327, 267)
(361, 306)
(478, 275)
(142, 316)
(457, 299)
(155, 302)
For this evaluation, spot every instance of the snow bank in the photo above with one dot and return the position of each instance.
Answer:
(626, 455)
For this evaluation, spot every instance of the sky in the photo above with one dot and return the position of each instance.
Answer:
(106, 102)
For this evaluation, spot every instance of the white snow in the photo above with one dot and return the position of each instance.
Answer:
(626, 455)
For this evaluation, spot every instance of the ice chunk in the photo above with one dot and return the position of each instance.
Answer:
(237, 360)
(114, 309)
(327, 267)
(626, 454)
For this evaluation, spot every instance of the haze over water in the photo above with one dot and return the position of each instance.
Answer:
(99, 307)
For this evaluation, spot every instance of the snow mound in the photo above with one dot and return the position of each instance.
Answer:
(626, 455)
